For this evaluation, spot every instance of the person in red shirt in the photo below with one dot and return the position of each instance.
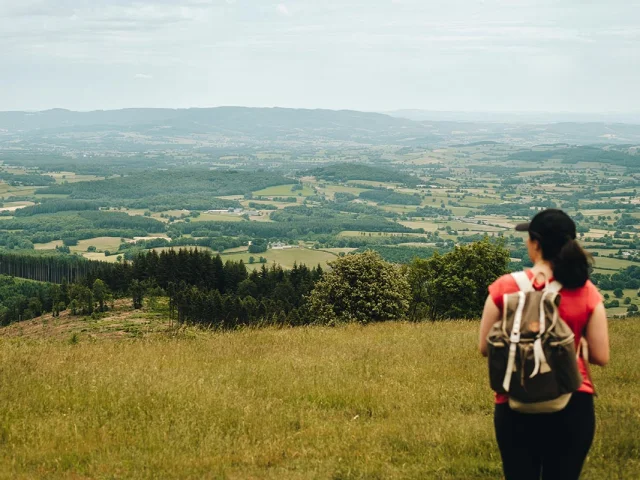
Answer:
(554, 445)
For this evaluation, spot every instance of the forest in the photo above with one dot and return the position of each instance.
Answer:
(345, 173)
(188, 188)
(204, 290)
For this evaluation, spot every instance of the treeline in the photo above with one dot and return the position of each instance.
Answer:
(390, 197)
(204, 290)
(42, 228)
(578, 154)
(269, 296)
(23, 299)
(404, 255)
(343, 202)
(55, 206)
(629, 278)
(344, 172)
(294, 223)
(176, 189)
(217, 244)
(58, 269)
(27, 179)
(428, 211)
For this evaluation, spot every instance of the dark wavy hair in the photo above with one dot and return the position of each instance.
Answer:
(556, 233)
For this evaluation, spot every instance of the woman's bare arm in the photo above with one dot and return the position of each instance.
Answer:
(597, 336)
(490, 315)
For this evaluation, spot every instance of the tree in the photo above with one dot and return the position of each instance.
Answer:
(100, 292)
(258, 245)
(83, 298)
(632, 309)
(618, 293)
(153, 292)
(362, 288)
(137, 294)
(627, 301)
(454, 285)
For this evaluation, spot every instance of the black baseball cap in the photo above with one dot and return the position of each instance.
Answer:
(550, 223)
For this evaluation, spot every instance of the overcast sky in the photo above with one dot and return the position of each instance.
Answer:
(375, 55)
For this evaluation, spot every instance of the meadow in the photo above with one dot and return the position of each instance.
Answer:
(286, 258)
(384, 401)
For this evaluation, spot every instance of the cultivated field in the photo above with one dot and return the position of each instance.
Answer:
(385, 401)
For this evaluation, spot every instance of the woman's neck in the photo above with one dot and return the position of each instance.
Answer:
(543, 267)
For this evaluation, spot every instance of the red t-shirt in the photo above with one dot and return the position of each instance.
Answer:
(576, 307)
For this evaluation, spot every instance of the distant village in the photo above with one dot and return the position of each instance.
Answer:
(236, 211)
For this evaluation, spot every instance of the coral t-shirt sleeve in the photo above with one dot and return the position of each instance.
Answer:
(498, 288)
(593, 297)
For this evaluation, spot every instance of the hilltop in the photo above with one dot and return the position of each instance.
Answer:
(309, 402)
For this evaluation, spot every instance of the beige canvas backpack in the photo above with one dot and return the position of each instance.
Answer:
(532, 353)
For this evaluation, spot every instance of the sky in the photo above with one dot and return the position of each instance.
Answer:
(372, 55)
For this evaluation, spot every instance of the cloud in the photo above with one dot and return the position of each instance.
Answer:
(283, 10)
(142, 76)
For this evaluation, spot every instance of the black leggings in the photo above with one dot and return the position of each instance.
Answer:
(551, 446)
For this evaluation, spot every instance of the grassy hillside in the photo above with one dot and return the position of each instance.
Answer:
(383, 401)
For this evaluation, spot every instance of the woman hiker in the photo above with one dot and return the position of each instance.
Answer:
(552, 446)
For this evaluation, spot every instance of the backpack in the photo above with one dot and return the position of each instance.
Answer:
(532, 353)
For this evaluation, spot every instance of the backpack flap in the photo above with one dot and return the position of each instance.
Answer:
(531, 351)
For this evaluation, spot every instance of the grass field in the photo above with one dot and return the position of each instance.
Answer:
(285, 258)
(384, 401)
(283, 191)
(612, 263)
(100, 256)
(70, 177)
(217, 217)
(48, 246)
(101, 244)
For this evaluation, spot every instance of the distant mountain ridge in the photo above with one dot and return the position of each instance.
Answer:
(245, 126)
(220, 117)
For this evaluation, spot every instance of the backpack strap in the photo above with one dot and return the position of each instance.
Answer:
(514, 340)
(522, 279)
(554, 286)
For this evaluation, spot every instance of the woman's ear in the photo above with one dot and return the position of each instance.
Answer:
(535, 245)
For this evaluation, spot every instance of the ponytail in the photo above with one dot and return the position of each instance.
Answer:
(571, 265)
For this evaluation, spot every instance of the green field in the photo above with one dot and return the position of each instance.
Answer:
(324, 403)
(70, 177)
(100, 256)
(606, 263)
(101, 243)
(285, 258)
(48, 246)
(217, 217)
(283, 191)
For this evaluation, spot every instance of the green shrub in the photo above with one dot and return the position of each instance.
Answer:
(361, 288)
(455, 285)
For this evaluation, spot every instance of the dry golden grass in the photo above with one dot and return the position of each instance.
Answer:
(384, 401)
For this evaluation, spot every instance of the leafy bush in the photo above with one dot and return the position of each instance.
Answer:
(361, 288)
(455, 285)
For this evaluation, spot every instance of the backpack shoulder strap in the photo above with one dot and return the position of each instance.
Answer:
(522, 279)
(554, 286)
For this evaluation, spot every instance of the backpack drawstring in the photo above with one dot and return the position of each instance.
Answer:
(541, 365)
